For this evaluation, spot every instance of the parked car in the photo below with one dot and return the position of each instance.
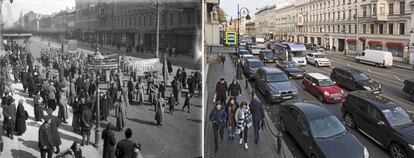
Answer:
(375, 57)
(243, 52)
(275, 85)
(246, 56)
(409, 87)
(291, 68)
(318, 132)
(323, 87)
(317, 59)
(382, 120)
(250, 67)
(267, 56)
(353, 79)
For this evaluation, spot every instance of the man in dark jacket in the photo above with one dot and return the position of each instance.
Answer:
(130, 89)
(257, 111)
(86, 124)
(20, 127)
(23, 77)
(54, 138)
(9, 113)
(221, 91)
(235, 89)
(125, 148)
(105, 104)
(218, 118)
(44, 143)
(108, 136)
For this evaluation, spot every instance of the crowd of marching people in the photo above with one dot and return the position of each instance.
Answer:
(62, 81)
(235, 114)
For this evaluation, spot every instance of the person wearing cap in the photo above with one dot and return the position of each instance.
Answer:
(44, 137)
(221, 91)
(86, 124)
(105, 104)
(55, 140)
(9, 113)
(52, 96)
(23, 78)
(108, 136)
(140, 88)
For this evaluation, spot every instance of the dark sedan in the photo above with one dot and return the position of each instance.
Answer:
(354, 79)
(291, 68)
(275, 85)
(250, 67)
(318, 132)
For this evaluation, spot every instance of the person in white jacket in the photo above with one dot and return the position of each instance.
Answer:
(244, 121)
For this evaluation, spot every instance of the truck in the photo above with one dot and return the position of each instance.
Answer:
(291, 52)
(260, 42)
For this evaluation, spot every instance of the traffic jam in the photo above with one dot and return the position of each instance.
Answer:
(328, 108)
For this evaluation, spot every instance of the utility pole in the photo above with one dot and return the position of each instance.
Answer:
(157, 48)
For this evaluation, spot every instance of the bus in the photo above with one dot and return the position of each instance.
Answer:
(291, 52)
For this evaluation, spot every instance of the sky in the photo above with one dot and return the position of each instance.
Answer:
(230, 6)
(11, 12)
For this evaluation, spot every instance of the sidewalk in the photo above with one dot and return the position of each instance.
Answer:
(266, 148)
(182, 60)
(397, 64)
(26, 146)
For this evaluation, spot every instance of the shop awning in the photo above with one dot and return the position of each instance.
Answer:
(376, 43)
(395, 44)
(351, 40)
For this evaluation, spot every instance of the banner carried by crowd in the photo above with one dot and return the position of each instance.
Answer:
(144, 65)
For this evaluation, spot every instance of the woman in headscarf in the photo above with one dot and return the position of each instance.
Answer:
(21, 117)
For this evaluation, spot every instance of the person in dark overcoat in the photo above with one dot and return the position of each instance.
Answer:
(169, 67)
(30, 85)
(86, 124)
(159, 111)
(76, 107)
(38, 109)
(125, 147)
(105, 104)
(21, 117)
(120, 113)
(23, 77)
(108, 136)
(221, 91)
(9, 113)
(55, 140)
(44, 140)
(191, 84)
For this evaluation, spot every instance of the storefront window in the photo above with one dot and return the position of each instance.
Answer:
(352, 46)
(396, 51)
(376, 47)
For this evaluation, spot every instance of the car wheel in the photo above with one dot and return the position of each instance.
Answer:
(282, 126)
(320, 97)
(397, 152)
(349, 120)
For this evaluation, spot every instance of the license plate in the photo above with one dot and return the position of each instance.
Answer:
(287, 97)
(337, 98)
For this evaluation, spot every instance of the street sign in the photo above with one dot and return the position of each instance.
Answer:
(231, 38)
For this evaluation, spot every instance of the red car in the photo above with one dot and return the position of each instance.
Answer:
(323, 87)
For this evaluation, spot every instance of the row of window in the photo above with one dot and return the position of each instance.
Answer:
(366, 29)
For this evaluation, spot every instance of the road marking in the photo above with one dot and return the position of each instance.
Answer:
(397, 77)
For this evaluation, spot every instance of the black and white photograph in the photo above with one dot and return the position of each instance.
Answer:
(101, 78)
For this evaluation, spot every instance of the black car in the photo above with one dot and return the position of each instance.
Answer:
(291, 68)
(409, 87)
(250, 67)
(382, 120)
(275, 85)
(318, 132)
(267, 56)
(354, 79)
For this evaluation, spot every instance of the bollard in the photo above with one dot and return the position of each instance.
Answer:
(279, 142)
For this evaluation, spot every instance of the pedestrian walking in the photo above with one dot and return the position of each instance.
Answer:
(21, 117)
(54, 139)
(186, 103)
(231, 108)
(159, 111)
(120, 113)
(169, 67)
(221, 91)
(38, 109)
(218, 117)
(223, 59)
(235, 89)
(9, 113)
(44, 137)
(257, 111)
(105, 104)
(244, 121)
(140, 88)
(24, 78)
(184, 78)
(86, 124)
(161, 89)
(108, 136)
(77, 112)
(130, 89)
(125, 147)
(171, 103)
(191, 84)
(51, 96)
(63, 108)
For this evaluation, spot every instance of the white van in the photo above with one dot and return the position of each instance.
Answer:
(375, 57)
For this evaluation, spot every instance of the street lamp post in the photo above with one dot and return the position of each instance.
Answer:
(245, 13)
(98, 61)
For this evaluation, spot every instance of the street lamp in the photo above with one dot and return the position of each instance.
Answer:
(1, 27)
(97, 61)
(241, 12)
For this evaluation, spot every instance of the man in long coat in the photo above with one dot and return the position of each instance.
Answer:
(23, 77)
(44, 140)
(54, 125)
(86, 124)
(159, 111)
(9, 113)
(63, 107)
(140, 88)
(20, 127)
(105, 104)
(108, 136)
(120, 113)
(52, 97)
(76, 106)
(38, 110)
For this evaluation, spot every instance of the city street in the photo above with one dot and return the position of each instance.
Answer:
(391, 80)
(179, 131)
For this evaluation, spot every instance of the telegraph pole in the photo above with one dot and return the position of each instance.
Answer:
(157, 48)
